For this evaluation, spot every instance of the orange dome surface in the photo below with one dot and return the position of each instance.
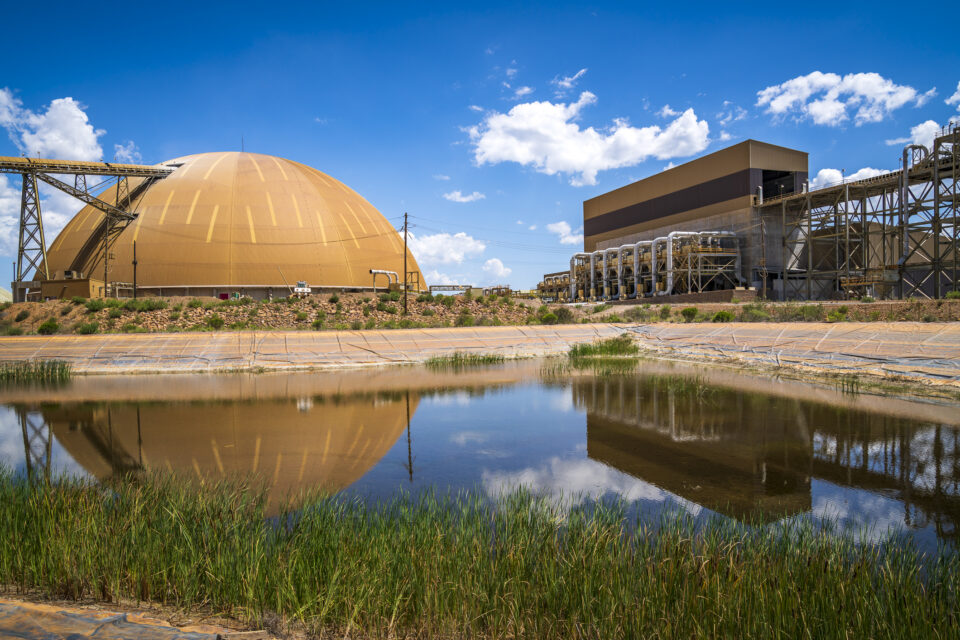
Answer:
(242, 219)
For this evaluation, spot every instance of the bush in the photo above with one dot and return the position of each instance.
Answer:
(356, 325)
(196, 303)
(130, 327)
(424, 297)
(87, 328)
(722, 316)
(14, 331)
(664, 312)
(467, 295)
(366, 310)
(78, 300)
(22, 315)
(869, 299)
(95, 305)
(114, 314)
(65, 309)
(448, 301)
(467, 320)
(564, 315)
(548, 318)
(689, 313)
(318, 323)
(301, 316)
(754, 312)
(215, 321)
(145, 304)
(370, 324)
(613, 318)
(929, 318)
(174, 315)
(49, 327)
(427, 312)
(952, 295)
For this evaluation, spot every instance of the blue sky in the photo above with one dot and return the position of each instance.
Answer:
(519, 112)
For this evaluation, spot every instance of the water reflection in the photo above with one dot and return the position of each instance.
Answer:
(744, 453)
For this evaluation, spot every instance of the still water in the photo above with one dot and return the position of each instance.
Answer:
(707, 441)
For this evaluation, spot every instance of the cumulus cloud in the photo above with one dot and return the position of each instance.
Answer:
(667, 112)
(495, 267)
(62, 130)
(9, 217)
(435, 277)
(456, 196)
(522, 91)
(546, 136)
(828, 177)
(127, 152)
(444, 248)
(565, 233)
(828, 98)
(566, 83)
(923, 133)
(954, 99)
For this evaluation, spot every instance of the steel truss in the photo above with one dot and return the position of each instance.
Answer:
(37, 441)
(31, 253)
(892, 236)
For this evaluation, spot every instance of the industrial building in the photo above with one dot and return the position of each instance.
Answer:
(745, 217)
(211, 224)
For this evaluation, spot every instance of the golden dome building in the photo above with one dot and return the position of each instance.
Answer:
(242, 223)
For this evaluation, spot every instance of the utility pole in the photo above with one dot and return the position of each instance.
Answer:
(135, 271)
(404, 263)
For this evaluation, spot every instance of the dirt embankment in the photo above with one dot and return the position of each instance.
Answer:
(365, 311)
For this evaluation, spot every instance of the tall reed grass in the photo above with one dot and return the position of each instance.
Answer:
(622, 345)
(462, 566)
(463, 360)
(32, 371)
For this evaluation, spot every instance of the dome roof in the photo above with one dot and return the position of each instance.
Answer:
(233, 219)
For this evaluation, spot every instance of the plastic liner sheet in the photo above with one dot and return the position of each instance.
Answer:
(45, 622)
(251, 350)
(929, 351)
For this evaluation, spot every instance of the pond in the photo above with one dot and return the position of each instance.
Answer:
(704, 440)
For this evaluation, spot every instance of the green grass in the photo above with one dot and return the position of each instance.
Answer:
(462, 566)
(462, 360)
(28, 371)
(622, 345)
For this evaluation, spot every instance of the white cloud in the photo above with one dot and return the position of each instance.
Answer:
(127, 152)
(456, 196)
(440, 176)
(511, 71)
(923, 133)
(669, 165)
(730, 113)
(724, 136)
(463, 438)
(545, 136)
(9, 217)
(954, 99)
(494, 266)
(520, 222)
(532, 227)
(667, 112)
(828, 177)
(565, 233)
(61, 131)
(435, 277)
(566, 83)
(444, 248)
(522, 91)
(926, 97)
(826, 98)
(474, 107)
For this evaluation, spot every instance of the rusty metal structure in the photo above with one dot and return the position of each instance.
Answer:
(890, 236)
(32, 251)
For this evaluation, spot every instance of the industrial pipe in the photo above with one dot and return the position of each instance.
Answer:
(573, 276)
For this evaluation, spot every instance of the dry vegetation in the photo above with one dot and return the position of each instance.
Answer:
(355, 311)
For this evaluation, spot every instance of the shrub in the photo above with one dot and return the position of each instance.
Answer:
(238, 326)
(178, 307)
(867, 299)
(49, 327)
(407, 323)
(447, 301)
(753, 312)
(722, 316)
(467, 320)
(114, 313)
(196, 303)
(467, 295)
(613, 318)
(366, 310)
(356, 325)
(952, 295)
(334, 299)
(548, 318)
(836, 316)
(5, 305)
(174, 315)
(130, 327)
(689, 313)
(665, 312)
(65, 309)
(301, 316)
(929, 318)
(87, 328)
(370, 324)
(78, 300)
(95, 305)
(564, 315)
(427, 312)
(215, 321)
(14, 331)
(321, 316)
(424, 297)
(318, 323)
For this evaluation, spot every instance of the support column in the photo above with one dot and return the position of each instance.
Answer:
(32, 248)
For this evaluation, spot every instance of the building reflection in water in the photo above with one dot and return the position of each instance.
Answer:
(744, 453)
(292, 444)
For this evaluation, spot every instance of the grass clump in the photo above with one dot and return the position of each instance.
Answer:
(722, 316)
(754, 312)
(622, 345)
(95, 304)
(215, 321)
(28, 371)
(462, 360)
(952, 295)
(462, 566)
(87, 328)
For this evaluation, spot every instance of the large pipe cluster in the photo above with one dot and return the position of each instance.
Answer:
(679, 262)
